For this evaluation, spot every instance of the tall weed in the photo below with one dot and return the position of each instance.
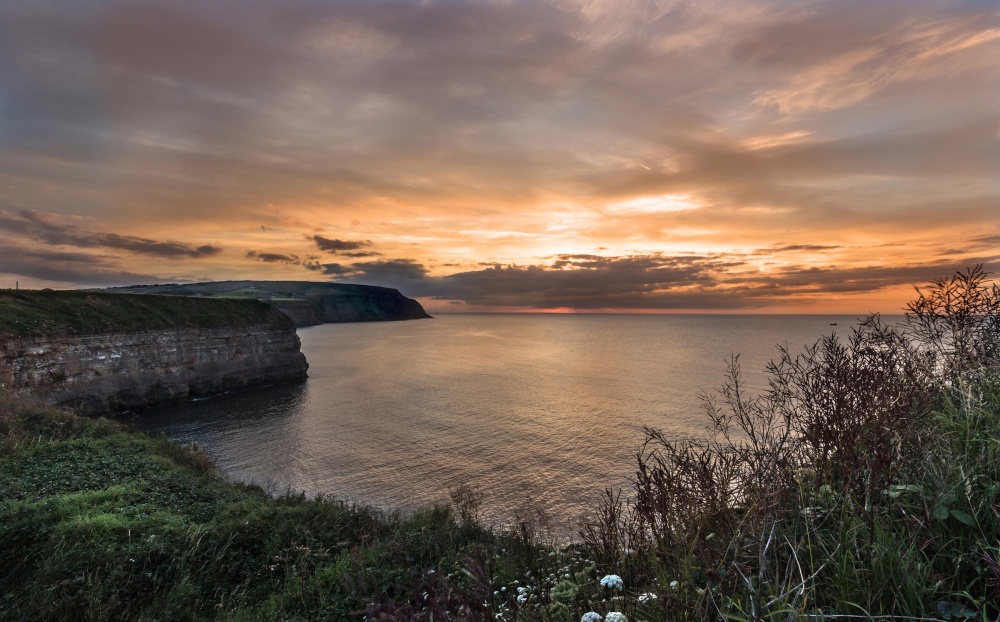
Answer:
(863, 482)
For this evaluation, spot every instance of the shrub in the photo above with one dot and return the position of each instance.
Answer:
(955, 326)
(863, 481)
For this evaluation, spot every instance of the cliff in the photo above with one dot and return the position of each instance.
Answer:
(101, 352)
(306, 302)
(372, 304)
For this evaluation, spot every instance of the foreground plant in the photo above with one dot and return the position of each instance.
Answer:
(864, 482)
(98, 523)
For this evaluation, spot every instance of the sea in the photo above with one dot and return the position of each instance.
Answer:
(537, 413)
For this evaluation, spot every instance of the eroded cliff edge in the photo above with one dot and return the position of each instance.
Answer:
(100, 352)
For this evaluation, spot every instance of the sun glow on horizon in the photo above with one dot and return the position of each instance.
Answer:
(527, 157)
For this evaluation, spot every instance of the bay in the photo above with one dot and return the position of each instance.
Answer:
(536, 412)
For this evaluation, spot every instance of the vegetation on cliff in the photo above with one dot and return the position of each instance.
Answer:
(306, 302)
(865, 484)
(98, 523)
(51, 313)
(289, 290)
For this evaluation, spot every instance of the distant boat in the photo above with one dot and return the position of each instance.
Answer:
(833, 323)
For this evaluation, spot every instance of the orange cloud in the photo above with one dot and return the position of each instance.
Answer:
(794, 147)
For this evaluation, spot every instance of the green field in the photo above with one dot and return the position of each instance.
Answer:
(29, 312)
(98, 523)
(276, 290)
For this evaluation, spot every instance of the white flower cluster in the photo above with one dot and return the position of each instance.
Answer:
(647, 597)
(611, 582)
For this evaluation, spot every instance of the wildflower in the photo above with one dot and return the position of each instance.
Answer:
(615, 616)
(674, 585)
(591, 616)
(523, 598)
(647, 597)
(612, 581)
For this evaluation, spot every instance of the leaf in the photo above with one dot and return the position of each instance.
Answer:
(896, 490)
(940, 512)
(963, 518)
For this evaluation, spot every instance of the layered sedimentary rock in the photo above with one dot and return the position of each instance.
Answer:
(164, 350)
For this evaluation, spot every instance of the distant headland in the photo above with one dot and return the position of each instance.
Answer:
(307, 302)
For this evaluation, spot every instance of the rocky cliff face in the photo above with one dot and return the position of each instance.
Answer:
(143, 354)
(107, 372)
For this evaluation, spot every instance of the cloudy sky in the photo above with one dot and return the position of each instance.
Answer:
(743, 155)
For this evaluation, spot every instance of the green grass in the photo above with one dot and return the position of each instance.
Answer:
(256, 289)
(28, 312)
(99, 523)
(332, 301)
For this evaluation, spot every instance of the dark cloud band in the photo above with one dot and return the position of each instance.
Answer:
(339, 246)
(639, 282)
(46, 229)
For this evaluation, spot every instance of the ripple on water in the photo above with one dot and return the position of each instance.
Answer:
(534, 410)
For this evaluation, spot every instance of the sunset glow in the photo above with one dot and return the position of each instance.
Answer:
(547, 155)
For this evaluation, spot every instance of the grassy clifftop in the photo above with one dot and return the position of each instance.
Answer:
(26, 312)
(98, 523)
(306, 302)
(274, 290)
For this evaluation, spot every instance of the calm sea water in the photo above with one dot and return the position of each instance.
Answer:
(536, 411)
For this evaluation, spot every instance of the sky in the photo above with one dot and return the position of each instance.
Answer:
(750, 156)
